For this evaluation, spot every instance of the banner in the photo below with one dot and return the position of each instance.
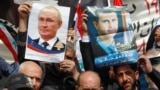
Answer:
(47, 33)
(111, 36)
(145, 19)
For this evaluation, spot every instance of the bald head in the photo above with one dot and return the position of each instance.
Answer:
(28, 65)
(34, 71)
(89, 80)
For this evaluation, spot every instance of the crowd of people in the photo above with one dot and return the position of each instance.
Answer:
(26, 74)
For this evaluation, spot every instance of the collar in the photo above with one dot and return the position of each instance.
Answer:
(51, 42)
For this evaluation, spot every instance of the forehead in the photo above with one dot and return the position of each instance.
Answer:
(158, 28)
(108, 14)
(48, 11)
(35, 70)
(89, 81)
(124, 68)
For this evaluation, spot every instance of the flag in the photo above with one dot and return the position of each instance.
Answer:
(117, 3)
(78, 19)
(9, 41)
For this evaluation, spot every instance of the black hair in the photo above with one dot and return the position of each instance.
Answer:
(133, 66)
(151, 39)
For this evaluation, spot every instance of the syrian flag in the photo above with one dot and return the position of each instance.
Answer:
(9, 41)
(78, 33)
(78, 20)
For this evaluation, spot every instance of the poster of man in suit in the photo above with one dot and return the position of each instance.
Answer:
(47, 32)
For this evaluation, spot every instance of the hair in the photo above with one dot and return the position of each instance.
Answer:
(102, 10)
(132, 66)
(151, 39)
(58, 12)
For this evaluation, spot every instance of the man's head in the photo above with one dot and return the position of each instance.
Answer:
(34, 71)
(127, 76)
(49, 21)
(157, 34)
(18, 81)
(106, 21)
(89, 80)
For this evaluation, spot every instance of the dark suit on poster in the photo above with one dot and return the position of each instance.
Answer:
(98, 50)
(55, 47)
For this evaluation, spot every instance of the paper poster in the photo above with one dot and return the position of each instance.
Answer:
(111, 35)
(47, 33)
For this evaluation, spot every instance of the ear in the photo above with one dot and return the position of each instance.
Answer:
(95, 24)
(101, 88)
(137, 75)
(60, 24)
(76, 87)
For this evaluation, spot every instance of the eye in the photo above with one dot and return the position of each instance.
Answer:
(129, 72)
(119, 74)
(50, 20)
(105, 21)
(41, 19)
(114, 20)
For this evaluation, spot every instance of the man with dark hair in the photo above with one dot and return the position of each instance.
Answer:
(127, 75)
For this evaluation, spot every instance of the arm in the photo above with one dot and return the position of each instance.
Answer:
(146, 66)
(23, 10)
(85, 45)
(155, 77)
(8, 69)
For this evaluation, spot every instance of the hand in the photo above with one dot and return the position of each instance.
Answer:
(84, 25)
(111, 73)
(145, 64)
(24, 9)
(71, 36)
(68, 66)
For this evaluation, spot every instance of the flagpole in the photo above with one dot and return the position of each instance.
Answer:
(109, 3)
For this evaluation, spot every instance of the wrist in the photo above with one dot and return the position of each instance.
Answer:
(75, 75)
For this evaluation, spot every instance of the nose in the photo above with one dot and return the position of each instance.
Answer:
(33, 82)
(44, 23)
(110, 24)
(124, 77)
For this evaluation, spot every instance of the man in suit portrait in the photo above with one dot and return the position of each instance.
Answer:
(106, 24)
(49, 22)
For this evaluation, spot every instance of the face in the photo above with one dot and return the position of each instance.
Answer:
(35, 73)
(48, 23)
(157, 34)
(107, 23)
(89, 83)
(126, 77)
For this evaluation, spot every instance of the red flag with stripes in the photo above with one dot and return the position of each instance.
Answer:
(9, 41)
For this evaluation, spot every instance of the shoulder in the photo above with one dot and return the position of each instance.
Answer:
(59, 45)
